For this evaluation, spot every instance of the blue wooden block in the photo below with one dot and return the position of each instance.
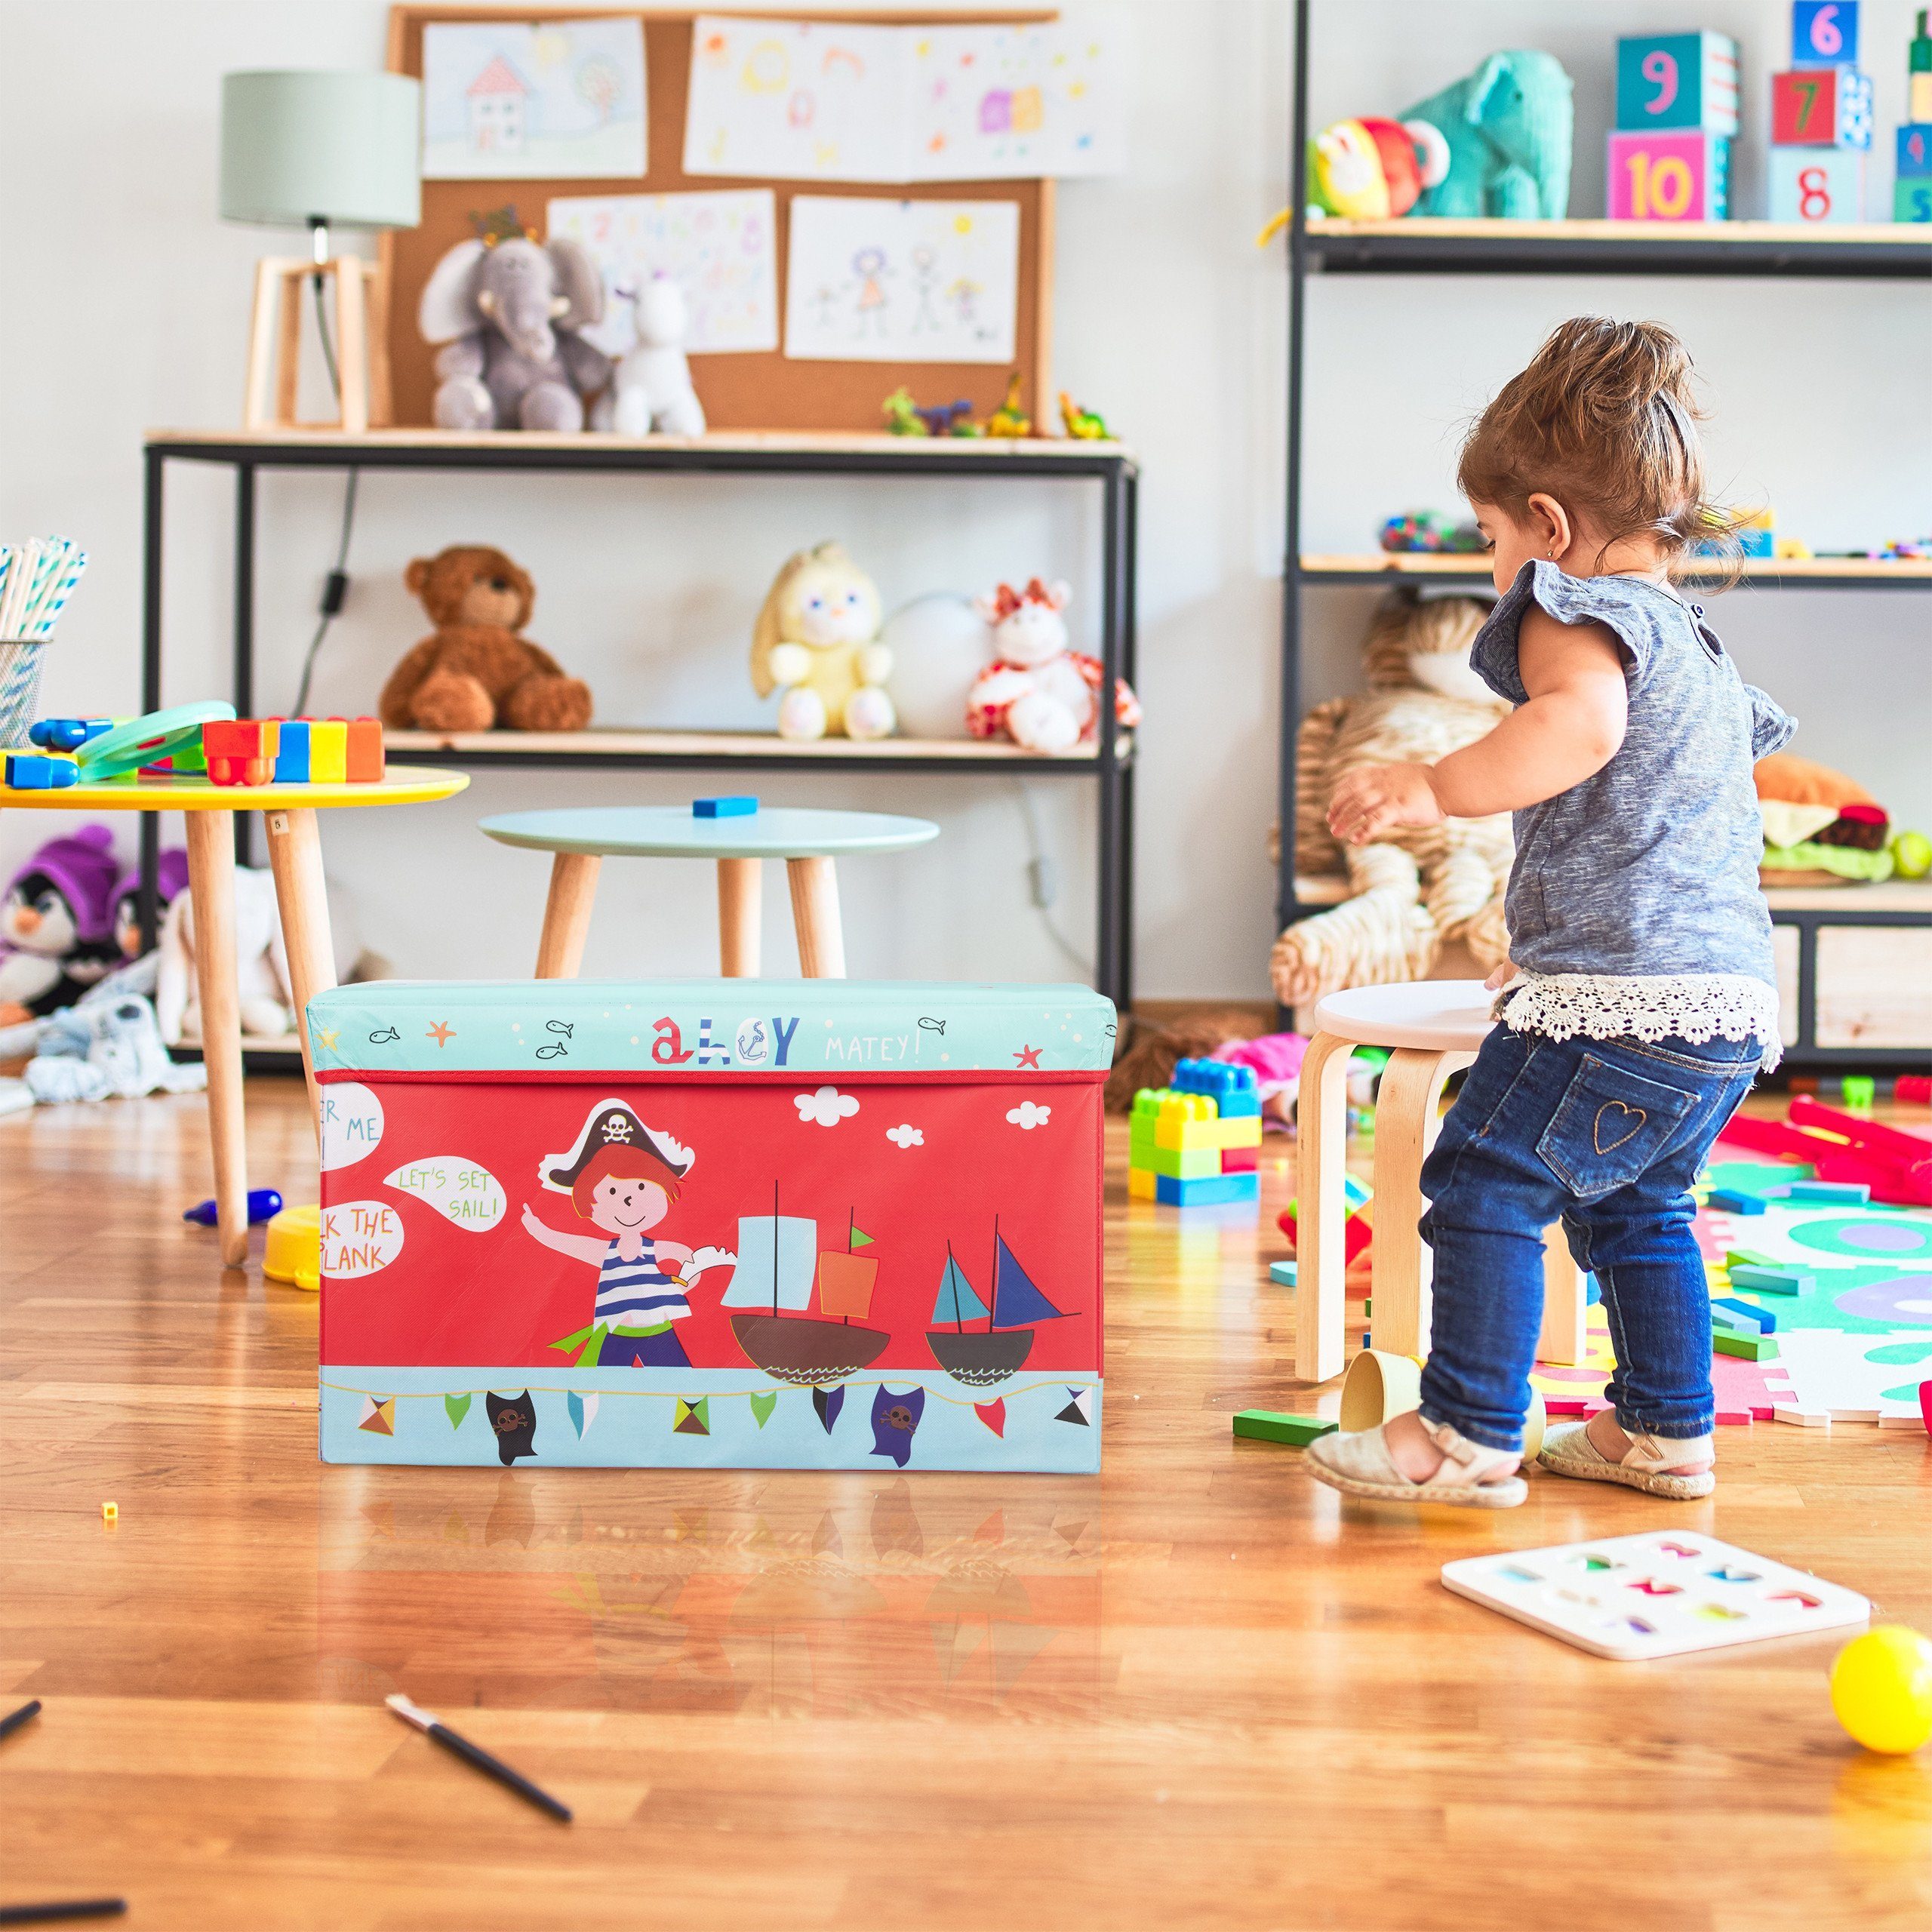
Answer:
(1824, 33)
(1677, 80)
(1208, 1189)
(1735, 1202)
(1282, 1272)
(737, 807)
(1772, 1281)
(1852, 1193)
(291, 752)
(1744, 1314)
(26, 773)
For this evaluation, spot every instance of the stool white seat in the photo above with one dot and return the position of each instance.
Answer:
(1432, 1029)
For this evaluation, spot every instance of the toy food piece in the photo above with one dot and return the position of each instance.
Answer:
(26, 773)
(1821, 827)
(1881, 1689)
(241, 751)
(1911, 854)
(263, 1202)
(737, 807)
(294, 1249)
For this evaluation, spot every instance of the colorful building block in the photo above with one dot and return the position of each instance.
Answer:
(1677, 80)
(27, 772)
(1859, 1090)
(1267, 1425)
(1281, 1273)
(1177, 1163)
(1821, 107)
(291, 751)
(364, 759)
(1140, 1183)
(1853, 1194)
(1750, 1347)
(65, 734)
(1824, 33)
(328, 751)
(1734, 1201)
(1744, 1316)
(1204, 1193)
(1240, 1160)
(1232, 1089)
(734, 808)
(1667, 177)
(240, 751)
(1773, 1281)
(1356, 1234)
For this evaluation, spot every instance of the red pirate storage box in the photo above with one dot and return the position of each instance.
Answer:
(718, 1223)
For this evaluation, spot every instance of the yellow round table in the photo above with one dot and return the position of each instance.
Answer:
(295, 858)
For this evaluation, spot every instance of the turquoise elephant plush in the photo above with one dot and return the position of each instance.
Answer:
(1509, 126)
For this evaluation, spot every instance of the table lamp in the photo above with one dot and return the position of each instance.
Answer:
(304, 149)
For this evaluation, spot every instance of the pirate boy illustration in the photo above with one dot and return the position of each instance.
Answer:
(623, 1177)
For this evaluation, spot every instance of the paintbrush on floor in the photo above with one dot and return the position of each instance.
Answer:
(474, 1754)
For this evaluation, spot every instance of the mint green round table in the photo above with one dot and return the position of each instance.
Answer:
(808, 841)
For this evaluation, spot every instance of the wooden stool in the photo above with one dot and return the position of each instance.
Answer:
(807, 841)
(1432, 1028)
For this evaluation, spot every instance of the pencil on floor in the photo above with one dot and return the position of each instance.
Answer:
(12, 1722)
(60, 1908)
(459, 1746)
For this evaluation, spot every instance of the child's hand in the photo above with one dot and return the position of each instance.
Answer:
(534, 1223)
(1369, 802)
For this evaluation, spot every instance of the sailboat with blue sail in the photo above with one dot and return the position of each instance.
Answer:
(979, 1357)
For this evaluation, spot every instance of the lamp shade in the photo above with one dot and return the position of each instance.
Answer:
(304, 145)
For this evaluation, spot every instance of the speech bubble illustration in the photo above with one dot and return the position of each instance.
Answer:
(359, 1238)
(352, 1123)
(458, 1189)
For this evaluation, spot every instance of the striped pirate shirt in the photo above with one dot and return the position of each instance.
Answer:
(636, 1293)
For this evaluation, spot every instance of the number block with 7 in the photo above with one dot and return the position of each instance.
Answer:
(1677, 80)
(1821, 107)
(1669, 177)
(1817, 185)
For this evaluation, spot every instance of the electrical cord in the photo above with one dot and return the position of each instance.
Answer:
(335, 585)
(1041, 883)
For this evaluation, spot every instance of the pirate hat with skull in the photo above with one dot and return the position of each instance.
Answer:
(611, 1124)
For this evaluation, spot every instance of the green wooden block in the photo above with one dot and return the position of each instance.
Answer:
(1752, 1348)
(1747, 1257)
(1265, 1425)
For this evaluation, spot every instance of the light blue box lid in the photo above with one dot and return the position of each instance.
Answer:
(683, 1028)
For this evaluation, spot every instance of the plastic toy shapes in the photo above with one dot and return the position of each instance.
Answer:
(328, 751)
(66, 734)
(1008, 419)
(26, 773)
(263, 1202)
(110, 1513)
(291, 751)
(1192, 1144)
(736, 808)
(1881, 1689)
(145, 740)
(1084, 426)
(240, 751)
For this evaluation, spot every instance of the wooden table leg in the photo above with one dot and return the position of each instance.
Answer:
(1321, 1139)
(1566, 1312)
(212, 884)
(567, 914)
(1408, 1107)
(295, 858)
(815, 915)
(738, 881)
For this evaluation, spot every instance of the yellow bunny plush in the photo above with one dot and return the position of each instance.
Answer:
(816, 640)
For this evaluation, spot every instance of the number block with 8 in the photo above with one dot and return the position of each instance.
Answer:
(1812, 185)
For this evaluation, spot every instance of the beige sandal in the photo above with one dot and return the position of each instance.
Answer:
(1471, 1475)
(1568, 1451)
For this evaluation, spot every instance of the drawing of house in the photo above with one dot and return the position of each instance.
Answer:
(496, 99)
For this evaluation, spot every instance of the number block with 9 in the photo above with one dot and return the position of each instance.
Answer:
(1825, 107)
(1817, 185)
(1677, 80)
(1669, 177)
(1824, 33)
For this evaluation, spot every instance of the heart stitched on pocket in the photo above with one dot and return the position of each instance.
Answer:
(1636, 1116)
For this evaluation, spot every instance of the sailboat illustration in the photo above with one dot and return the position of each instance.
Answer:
(983, 1356)
(778, 1256)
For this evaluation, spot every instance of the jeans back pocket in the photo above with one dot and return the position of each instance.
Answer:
(1609, 1126)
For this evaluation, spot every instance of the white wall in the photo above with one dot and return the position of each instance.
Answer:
(125, 303)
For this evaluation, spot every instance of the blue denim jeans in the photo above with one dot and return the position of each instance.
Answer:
(1608, 1135)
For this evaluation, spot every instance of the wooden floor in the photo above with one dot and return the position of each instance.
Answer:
(1195, 1691)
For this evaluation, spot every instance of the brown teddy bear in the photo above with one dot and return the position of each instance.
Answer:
(475, 671)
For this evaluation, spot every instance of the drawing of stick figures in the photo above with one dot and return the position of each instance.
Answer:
(925, 279)
(869, 265)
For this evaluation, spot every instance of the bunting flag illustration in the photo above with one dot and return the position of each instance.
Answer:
(993, 1414)
(762, 1407)
(895, 1422)
(693, 1418)
(582, 1411)
(513, 1419)
(456, 1407)
(1080, 1410)
(378, 1417)
(828, 1402)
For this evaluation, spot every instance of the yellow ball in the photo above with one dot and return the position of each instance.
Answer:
(1911, 853)
(1881, 1689)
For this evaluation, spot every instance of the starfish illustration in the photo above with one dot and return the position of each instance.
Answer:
(442, 1033)
(1029, 1056)
(325, 1037)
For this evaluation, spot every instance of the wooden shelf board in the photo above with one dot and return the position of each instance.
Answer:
(1472, 567)
(1894, 896)
(603, 743)
(1657, 234)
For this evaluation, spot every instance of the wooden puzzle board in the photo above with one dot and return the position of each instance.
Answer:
(1658, 1594)
(757, 390)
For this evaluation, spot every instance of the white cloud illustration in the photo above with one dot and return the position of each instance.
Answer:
(906, 1136)
(1026, 1115)
(825, 1108)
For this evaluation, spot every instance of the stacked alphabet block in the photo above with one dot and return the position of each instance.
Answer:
(1821, 118)
(1912, 188)
(1676, 114)
(1199, 1141)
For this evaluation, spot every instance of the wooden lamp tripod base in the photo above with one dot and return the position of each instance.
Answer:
(360, 324)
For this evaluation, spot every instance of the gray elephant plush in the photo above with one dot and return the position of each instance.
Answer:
(509, 313)
(1509, 126)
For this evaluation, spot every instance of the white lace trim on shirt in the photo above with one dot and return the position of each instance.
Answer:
(1696, 1007)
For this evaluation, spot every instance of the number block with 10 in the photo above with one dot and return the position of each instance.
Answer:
(1678, 176)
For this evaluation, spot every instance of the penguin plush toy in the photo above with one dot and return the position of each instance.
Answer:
(56, 935)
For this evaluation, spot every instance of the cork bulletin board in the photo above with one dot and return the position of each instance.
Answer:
(747, 390)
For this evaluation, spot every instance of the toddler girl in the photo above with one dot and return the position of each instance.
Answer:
(1640, 998)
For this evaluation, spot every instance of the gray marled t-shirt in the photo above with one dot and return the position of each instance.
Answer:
(1649, 866)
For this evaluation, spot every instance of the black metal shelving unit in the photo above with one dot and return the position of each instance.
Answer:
(1107, 465)
(1740, 249)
